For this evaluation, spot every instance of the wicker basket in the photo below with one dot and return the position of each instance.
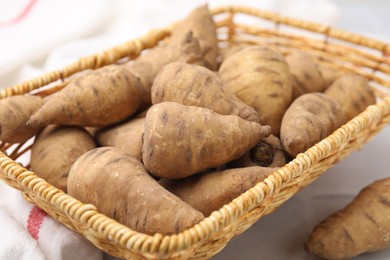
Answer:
(332, 47)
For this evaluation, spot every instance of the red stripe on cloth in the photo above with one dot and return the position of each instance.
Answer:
(34, 221)
(21, 16)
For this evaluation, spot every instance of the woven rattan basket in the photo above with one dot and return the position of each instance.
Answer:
(332, 47)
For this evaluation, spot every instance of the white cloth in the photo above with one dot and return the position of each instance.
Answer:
(28, 233)
(30, 29)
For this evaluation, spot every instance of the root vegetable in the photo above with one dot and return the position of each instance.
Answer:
(209, 191)
(353, 94)
(309, 119)
(180, 46)
(261, 78)
(197, 86)
(201, 23)
(329, 74)
(233, 48)
(113, 93)
(101, 97)
(121, 188)
(54, 151)
(15, 111)
(126, 135)
(306, 74)
(362, 226)
(268, 153)
(147, 66)
(191, 52)
(180, 140)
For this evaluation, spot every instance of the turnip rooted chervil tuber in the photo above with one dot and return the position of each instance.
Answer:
(259, 76)
(308, 120)
(194, 85)
(55, 149)
(267, 153)
(127, 135)
(307, 77)
(362, 226)
(209, 191)
(15, 111)
(101, 97)
(180, 140)
(113, 93)
(121, 188)
(353, 94)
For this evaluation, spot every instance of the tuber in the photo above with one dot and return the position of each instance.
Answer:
(233, 48)
(54, 151)
(268, 152)
(209, 191)
(329, 74)
(179, 47)
(101, 97)
(309, 119)
(353, 94)
(202, 25)
(113, 93)
(306, 74)
(181, 140)
(15, 111)
(194, 85)
(126, 135)
(260, 77)
(362, 226)
(120, 187)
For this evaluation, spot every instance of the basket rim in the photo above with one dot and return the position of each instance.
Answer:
(219, 219)
(122, 235)
(327, 30)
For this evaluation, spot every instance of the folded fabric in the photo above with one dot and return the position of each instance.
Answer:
(30, 29)
(27, 232)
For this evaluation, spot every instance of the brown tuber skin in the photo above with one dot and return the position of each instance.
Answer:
(126, 135)
(54, 151)
(260, 77)
(329, 74)
(113, 93)
(362, 226)
(233, 48)
(268, 153)
(180, 140)
(209, 191)
(306, 74)
(120, 187)
(202, 25)
(101, 97)
(353, 94)
(191, 51)
(309, 119)
(197, 86)
(181, 46)
(15, 111)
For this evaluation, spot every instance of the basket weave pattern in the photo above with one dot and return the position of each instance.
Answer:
(332, 47)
